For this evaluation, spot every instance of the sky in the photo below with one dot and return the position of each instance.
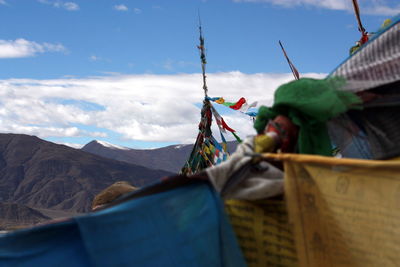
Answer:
(129, 73)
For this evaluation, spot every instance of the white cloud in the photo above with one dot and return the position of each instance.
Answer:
(370, 7)
(382, 10)
(70, 6)
(24, 48)
(170, 64)
(94, 58)
(121, 7)
(3, 2)
(137, 10)
(144, 107)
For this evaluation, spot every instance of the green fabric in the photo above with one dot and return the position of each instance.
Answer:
(263, 116)
(353, 49)
(228, 104)
(310, 103)
(237, 137)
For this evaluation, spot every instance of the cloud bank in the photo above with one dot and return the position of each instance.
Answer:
(370, 7)
(156, 108)
(23, 48)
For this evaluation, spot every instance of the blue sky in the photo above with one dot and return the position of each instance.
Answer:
(127, 72)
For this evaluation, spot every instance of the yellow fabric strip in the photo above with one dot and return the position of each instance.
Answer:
(263, 232)
(303, 158)
(345, 212)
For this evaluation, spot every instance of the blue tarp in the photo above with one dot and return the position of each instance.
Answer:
(185, 226)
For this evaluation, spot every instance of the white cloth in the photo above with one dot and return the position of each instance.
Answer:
(256, 184)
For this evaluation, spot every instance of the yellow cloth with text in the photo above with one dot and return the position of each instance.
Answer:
(263, 232)
(344, 212)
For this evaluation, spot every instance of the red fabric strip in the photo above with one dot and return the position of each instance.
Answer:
(238, 104)
(226, 127)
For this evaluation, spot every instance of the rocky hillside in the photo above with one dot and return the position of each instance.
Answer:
(15, 215)
(40, 174)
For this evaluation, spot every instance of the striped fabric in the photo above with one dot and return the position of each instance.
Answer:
(377, 63)
(372, 133)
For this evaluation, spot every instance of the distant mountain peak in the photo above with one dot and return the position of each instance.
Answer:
(112, 146)
(170, 158)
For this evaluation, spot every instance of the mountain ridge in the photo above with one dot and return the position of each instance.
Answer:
(170, 158)
(41, 174)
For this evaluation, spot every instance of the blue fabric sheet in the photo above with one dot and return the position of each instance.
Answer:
(185, 226)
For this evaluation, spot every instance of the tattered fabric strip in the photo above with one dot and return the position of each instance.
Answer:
(241, 105)
(223, 126)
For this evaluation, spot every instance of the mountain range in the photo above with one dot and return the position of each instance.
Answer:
(170, 158)
(36, 174)
(40, 180)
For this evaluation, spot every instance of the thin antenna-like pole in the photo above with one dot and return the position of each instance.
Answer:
(202, 58)
(357, 12)
(364, 34)
(292, 67)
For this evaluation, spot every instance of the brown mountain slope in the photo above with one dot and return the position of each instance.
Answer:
(42, 174)
(13, 214)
